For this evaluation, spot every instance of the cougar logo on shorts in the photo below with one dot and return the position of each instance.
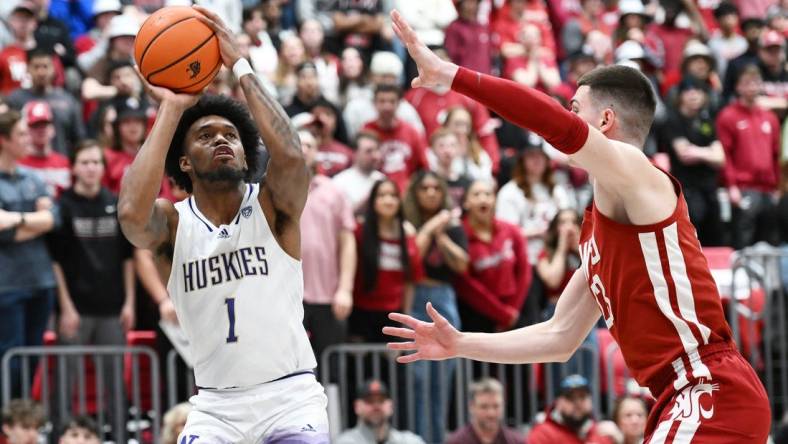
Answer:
(687, 406)
(194, 69)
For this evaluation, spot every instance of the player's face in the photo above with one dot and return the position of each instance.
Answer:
(88, 166)
(429, 194)
(214, 151)
(487, 411)
(387, 201)
(582, 105)
(632, 418)
(480, 200)
(21, 434)
(78, 435)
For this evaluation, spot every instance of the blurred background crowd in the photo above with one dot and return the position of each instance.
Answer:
(418, 194)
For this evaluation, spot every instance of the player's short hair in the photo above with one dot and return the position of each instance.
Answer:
(485, 385)
(82, 146)
(24, 412)
(214, 105)
(80, 422)
(628, 92)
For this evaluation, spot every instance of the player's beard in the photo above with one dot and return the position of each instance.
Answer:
(224, 174)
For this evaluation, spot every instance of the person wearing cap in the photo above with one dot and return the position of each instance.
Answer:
(66, 110)
(27, 212)
(750, 136)
(726, 43)
(52, 167)
(752, 29)
(468, 42)
(374, 408)
(771, 54)
(385, 69)
(696, 156)
(120, 33)
(92, 45)
(333, 156)
(486, 411)
(13, 56)
(570, 420)
(699, 64)
(129, 129)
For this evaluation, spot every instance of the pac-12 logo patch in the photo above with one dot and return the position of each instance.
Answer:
(194, 69)
(246, 211)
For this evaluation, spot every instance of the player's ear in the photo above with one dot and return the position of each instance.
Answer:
(185, 164)
(608, 118)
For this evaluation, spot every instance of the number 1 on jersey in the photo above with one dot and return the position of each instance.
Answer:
(230, 302)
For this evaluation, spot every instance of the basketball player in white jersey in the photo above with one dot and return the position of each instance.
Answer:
(234, 249)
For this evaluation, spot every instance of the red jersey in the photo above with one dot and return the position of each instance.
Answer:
(433, 107)
(390, 286)
(656, 293)
(333, 158)
(404, 151)
(117, 162)
(499, 275)
(54, 170)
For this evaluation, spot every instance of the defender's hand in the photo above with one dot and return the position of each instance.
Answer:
(434, 340)
(433, 71)
(227, 45)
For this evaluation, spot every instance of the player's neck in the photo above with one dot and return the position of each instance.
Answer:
(218, 202)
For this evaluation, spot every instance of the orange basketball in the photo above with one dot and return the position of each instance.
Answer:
(175, 50)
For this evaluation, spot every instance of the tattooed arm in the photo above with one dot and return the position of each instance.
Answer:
(285, 187)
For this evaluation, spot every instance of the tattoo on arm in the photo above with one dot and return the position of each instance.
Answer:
(274, 123)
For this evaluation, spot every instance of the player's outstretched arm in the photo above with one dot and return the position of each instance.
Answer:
(144, 219)
(287, 177)
(616, 166)
(552, 341)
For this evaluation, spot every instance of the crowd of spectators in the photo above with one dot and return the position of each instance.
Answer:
(418, 195)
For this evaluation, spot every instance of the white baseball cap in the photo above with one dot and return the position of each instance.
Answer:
(102, 6)
(123, 25)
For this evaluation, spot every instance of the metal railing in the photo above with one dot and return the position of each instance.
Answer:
(760, 329)
(64, 385)
(528, 387)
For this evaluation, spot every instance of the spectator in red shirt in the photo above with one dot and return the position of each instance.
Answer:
(592, 18)
(561, 255)
(513, 17)
(129, 130)
(632, 26)
(13, 57)
(492, 291)
(91, 46)
(569, 420)
(536, 67)
(403, 148)
(674, 38)
(333, 156)
(53, 168)
(468, 42)
(750, 136)
(388, 265)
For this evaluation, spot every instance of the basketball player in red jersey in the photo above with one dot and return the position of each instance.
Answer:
(643, 268)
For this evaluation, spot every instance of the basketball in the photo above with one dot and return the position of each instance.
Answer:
(173, 49)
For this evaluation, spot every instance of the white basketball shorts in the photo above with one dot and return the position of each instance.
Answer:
(291, 410)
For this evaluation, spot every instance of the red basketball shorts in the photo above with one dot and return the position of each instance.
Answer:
(732, 407)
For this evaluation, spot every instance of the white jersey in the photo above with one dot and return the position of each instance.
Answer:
(239, 298)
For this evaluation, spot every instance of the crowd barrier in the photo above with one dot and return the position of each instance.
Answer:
(528, 387)
(756, 304)
(69, 381)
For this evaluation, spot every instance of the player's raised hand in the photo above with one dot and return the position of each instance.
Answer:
(433, 71)
(161, 94)
(434, 340)
(227, 44)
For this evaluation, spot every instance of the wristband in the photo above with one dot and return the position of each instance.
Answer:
(242, 68)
